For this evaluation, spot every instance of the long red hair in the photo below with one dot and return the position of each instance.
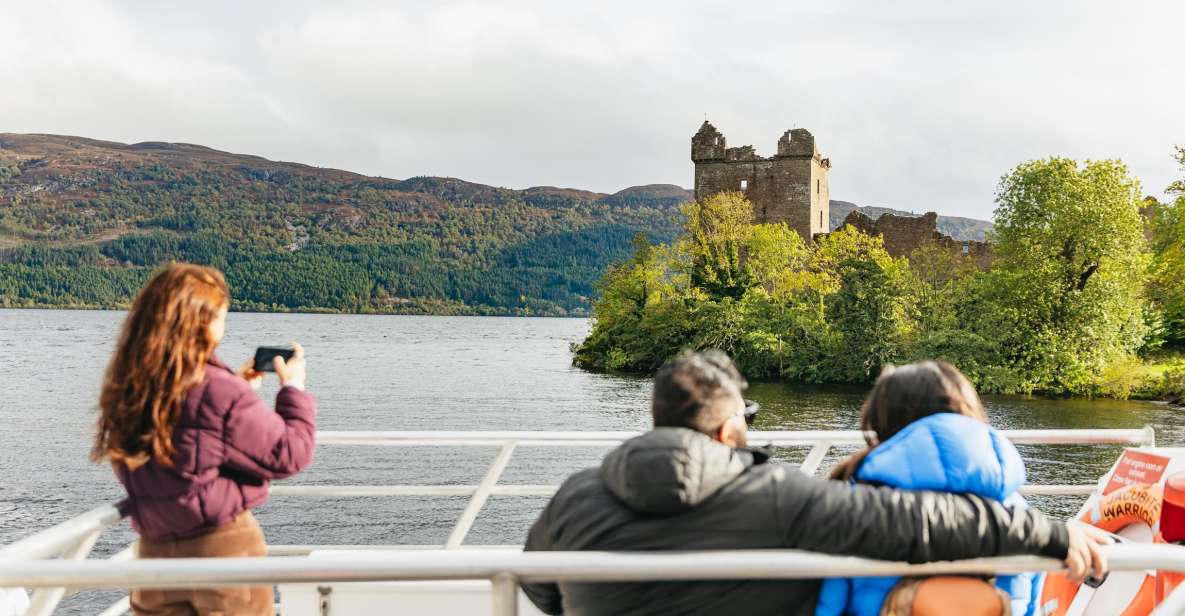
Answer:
(161, 355)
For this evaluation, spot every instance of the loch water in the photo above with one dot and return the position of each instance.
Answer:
(372, 372)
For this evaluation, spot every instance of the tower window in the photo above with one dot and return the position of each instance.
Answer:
(820, 219)
(818, 187)
(744, 184)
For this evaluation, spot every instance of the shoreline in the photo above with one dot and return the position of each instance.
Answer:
(472, 312)
(1152, 394)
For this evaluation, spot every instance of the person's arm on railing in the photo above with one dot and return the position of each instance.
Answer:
(545, 595)
(917, 527)
(273, 445)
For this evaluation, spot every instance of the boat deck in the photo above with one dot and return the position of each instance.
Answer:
(54, 562)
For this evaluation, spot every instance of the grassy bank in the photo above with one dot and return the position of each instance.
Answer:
(1159, 377)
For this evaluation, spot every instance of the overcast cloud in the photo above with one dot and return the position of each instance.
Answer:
(920, 105)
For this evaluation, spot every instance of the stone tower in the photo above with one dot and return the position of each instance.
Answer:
(789, 187)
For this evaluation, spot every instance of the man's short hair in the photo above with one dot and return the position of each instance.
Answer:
(697, 391)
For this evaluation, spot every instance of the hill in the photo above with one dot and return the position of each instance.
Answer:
(83, 221)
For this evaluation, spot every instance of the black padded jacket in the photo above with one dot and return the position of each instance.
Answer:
(677, 489)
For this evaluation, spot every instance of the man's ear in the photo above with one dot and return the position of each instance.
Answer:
(718, 435)
(728, 434)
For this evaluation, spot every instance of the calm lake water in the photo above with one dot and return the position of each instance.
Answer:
(419, 373)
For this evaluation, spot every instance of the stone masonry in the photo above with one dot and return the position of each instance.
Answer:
(789, 187)
(904, 234)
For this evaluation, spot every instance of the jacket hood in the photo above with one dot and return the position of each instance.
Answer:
(950, 453)
(668, 470)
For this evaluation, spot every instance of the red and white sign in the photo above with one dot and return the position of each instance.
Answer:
(1136, 467)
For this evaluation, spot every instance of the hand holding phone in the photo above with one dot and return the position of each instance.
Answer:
(265, 357)
(248, 373)
(290, 367)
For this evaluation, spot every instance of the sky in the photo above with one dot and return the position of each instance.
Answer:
(921, 105)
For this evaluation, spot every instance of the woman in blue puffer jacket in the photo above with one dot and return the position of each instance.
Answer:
(931, 433)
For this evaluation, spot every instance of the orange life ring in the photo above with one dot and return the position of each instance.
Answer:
(1137, 503)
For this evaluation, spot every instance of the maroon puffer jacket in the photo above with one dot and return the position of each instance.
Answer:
(228, 445)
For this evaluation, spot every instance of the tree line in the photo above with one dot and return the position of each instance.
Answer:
(554, 274)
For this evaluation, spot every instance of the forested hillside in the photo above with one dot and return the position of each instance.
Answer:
(82, 222)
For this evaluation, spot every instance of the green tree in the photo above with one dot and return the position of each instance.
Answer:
(641, 317)
(948, 289)
(1065, 295)
(717, 230)
(776, 257)
(1167, 286)
(835, 310)
(872, 312)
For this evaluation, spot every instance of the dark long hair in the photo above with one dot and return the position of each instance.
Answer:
(162, 353)
(903, 395)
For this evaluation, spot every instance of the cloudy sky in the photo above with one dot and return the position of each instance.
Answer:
(920, 105)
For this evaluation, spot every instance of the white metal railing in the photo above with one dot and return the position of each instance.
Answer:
(820, 442)
(73, 540)
(506, 570)
(777, 438)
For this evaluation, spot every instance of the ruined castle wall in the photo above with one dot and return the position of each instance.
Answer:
(861, 222)
(978, 252)
(904, 234)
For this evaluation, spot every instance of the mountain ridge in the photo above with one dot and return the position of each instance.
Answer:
(299, 237)
(956, 226)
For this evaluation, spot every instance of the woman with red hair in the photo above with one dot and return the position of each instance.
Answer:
(192, 441)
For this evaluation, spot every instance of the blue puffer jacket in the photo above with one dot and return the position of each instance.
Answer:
(948, 453)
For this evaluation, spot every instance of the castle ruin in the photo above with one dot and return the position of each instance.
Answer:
(904, 234)
(789, 187)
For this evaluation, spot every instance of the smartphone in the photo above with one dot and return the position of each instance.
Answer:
(265, 355)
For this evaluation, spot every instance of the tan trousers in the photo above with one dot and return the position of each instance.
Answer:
(239, 537)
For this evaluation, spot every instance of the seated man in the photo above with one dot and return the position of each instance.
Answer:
(690, 484)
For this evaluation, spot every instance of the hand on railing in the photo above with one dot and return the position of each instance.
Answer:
(1085, 553)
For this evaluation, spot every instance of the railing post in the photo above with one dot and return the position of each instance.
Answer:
(119, 608)
(54, 540)
(814, 458)
(127, 553)
(505, 595)
(465, 522)
(45, 600)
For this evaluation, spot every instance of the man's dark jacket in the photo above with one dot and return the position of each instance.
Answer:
(677, 489)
